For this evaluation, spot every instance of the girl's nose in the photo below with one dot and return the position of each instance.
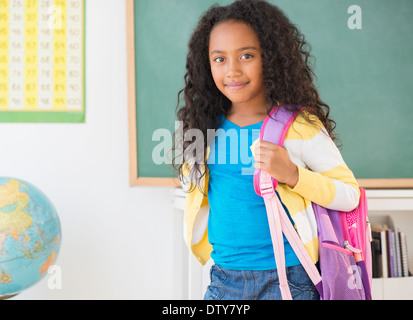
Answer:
(233, 69)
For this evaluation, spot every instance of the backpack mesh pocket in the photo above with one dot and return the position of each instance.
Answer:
(340, 273)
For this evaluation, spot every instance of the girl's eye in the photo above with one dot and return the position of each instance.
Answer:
(246, 56)
(219, 59)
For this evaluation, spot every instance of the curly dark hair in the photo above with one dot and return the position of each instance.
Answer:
(288, 73)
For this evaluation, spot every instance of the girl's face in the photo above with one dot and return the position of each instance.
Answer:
(236, 63)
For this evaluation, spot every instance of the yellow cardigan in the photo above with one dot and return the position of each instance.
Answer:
(324, 178)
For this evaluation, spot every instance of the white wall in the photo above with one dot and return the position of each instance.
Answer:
(116, 240)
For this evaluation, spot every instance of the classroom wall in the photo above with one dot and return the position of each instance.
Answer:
(116, 240)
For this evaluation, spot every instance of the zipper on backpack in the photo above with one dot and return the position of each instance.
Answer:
(357, 252)
(350, 247)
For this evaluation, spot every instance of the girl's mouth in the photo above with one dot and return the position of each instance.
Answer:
(236, 85)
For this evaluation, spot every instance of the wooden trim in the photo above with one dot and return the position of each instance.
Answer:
(130, 39)
(364, 183)
(134, 179)
(156, 182)
(385, 183)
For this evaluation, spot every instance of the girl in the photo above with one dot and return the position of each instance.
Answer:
(245, 59)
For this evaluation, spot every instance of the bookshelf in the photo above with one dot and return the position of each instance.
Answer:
(398, 204)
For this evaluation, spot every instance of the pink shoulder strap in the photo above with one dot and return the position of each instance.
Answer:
(280, 223)
(278, 219)
(274, 131)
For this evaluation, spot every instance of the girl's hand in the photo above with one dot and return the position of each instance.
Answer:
(276, 161)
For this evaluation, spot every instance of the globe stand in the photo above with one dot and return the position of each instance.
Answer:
(8, 296)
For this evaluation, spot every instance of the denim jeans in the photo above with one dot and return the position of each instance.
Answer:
(258, 285)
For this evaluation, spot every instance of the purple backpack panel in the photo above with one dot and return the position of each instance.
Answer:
(343, 278)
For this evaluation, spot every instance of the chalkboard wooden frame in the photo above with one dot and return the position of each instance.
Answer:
(135, 180)
(385, 183)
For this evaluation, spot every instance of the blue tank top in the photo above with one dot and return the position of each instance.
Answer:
(238, 228)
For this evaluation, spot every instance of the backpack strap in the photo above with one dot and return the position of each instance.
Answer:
(280, 223)
(274, 131)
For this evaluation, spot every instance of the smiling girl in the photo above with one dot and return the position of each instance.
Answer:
(245, 59)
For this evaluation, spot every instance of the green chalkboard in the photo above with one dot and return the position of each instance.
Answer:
(365, 75)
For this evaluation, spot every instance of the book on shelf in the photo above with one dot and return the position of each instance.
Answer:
(388, 248)
(404, 256)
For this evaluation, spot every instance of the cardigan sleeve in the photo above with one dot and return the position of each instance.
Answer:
(325, 178)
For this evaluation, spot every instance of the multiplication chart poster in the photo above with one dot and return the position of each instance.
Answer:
(42, 61)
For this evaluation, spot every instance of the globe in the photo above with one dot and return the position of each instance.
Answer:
(30, 235)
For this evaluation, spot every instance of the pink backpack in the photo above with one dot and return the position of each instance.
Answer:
(344, 237)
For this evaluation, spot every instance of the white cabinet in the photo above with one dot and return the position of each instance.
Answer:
(399, 205)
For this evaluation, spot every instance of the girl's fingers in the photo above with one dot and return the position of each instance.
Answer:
(266, 144)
